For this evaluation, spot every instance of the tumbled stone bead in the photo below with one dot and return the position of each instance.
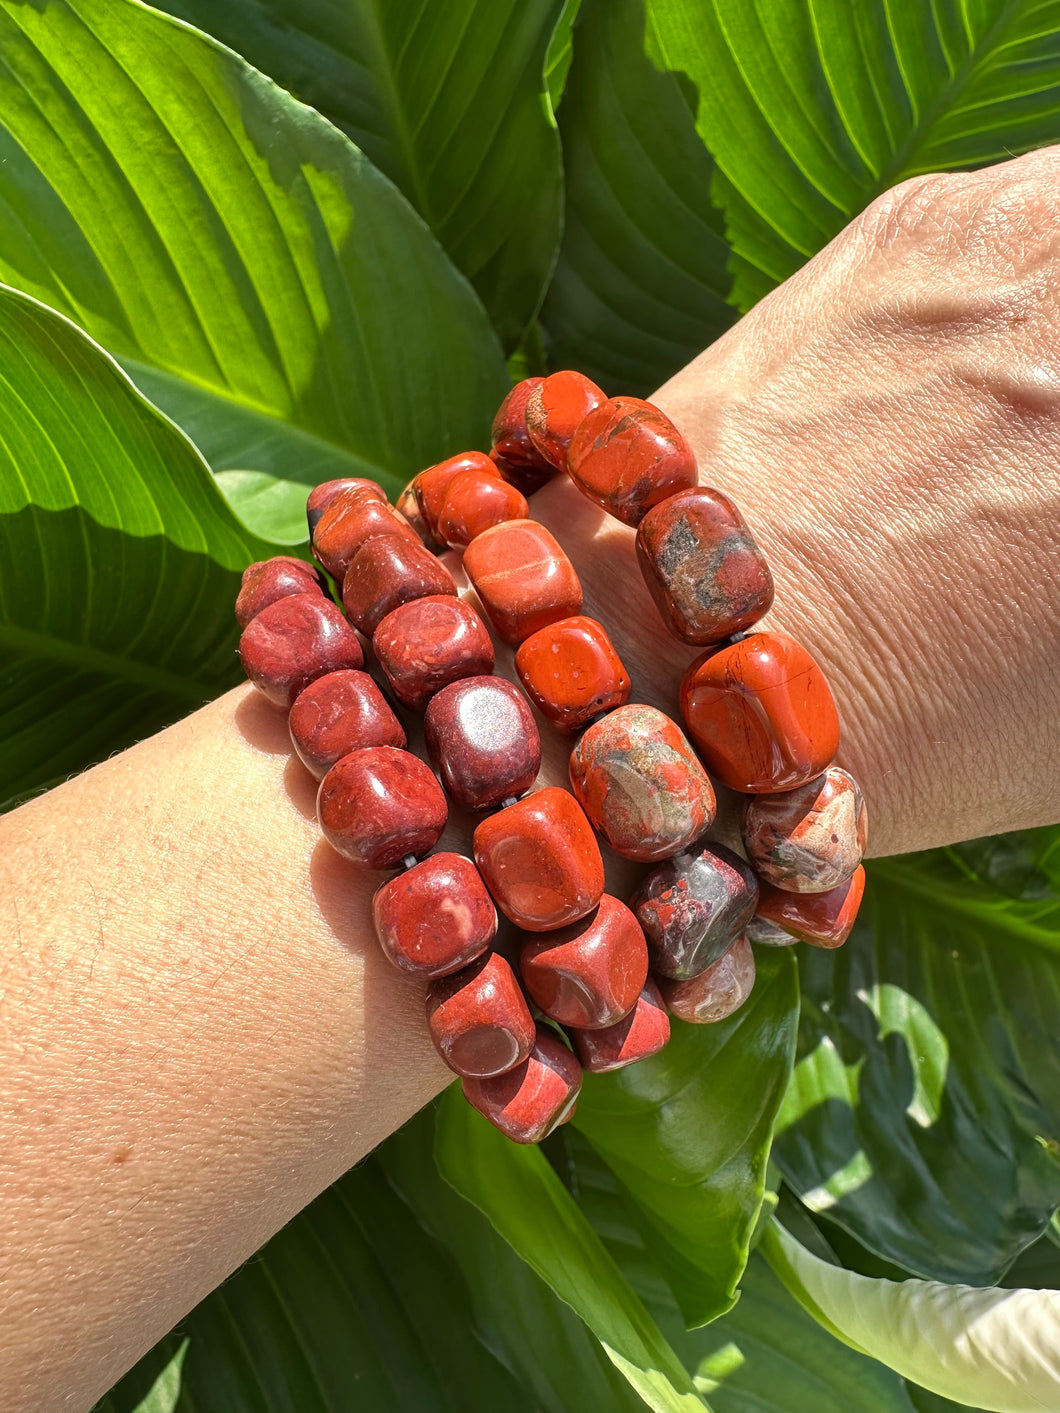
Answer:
(320, 497)
(388, 571)
(761, 714)
(510, 438)
(479, 1020)
(541, 861)
(351, 520)
(571, 672)
(590, 973)
(522, 577)
(764, 933)
(484, 741)
(436, 917)
(337, 714)
(526, 479)
(716, 992)
(272, 579)
(526, 1103)
(432, 486)
(555, 409)
(427, 643)
(706, 574)
(641, 1033)
(408, 505)
(810, 839)
(693, 906)
(627, 455)
(376, 806)
(473, 503)
(293, 642)
(639, 781)
(822, 919)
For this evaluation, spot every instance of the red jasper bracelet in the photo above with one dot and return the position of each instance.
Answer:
(594, 979)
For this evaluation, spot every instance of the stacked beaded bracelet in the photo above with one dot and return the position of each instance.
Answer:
(755, 705)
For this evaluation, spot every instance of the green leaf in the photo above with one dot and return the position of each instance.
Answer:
(560, 53)
(447, 97)
(688, 1133)
(201, 223)
(812, 110)
(119, 560)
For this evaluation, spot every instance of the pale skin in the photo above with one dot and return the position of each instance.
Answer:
(198, 1032)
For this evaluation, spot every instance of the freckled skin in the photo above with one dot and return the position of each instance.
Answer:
(821, 919)
(523, 578)
(293, 642)
(591, 973)
(484, 741)
(378, 805)
(387, 571)
(272, 579)
(716, 992)
(811, 839)
(434, 918)
(427, 643)
(531, 1100)
(571, 672)
(627, 455)
(479, 1020)
(641, 1033)
(692, 906)
(337, 714)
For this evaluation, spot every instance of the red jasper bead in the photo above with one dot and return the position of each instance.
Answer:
(528, 1102)
(641, 1033)
(479, 1020)
(526, 479)
(474, 502)
(571, 672)
(693, 906)
(272, 579)
(511, 440)
(716, 992)
(352, 519)
(761, 713)
(590, 973)
(541, 861)
(436, 917)
(376, 806)
(627, 455)
(387, 571)
(554, 410)
(337, 714)
(639, 781)
(706, 574)
(320, 497)
(484, 741)
(427, 643)
(810, 839)
(522, 577)
(822, 919)
(432, 486)
(408, 505)
(293, 642)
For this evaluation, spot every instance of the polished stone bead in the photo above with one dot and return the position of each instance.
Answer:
(432, 486)
(272, 579)
(388, 571)
(483, 740)
(810, 839)
(526, 479)
(555, 409)
(522, 577)
(337, 714)
(293, 642)
(526, 1103)
(639, 781)
(511, 440)
(627, 455)
(692, 907)
(479, 1020)
(716, 992)
(637, 1035)
(571, 672)
(590, 973)
(320, 497)
(351, 520)
(436, 917)
(761, 714)
(408, 505)
(822, 919)
(378, 805)
(427, 643)
(706, 574)
(474, 502)
(541, 861)
(764, 933)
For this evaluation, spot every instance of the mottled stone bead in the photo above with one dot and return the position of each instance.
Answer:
(436, 917)
(693, 906)
(474, 502)
(351, 520)
(555, 409)
(511, 440)
(541, 861)
(761, 714)
(337, 714)
(706, 574)
(427, 643)
(526, 479)
(293, 642)
(641, 1033)
(479, 1020)
(571, 672)
(320, 497)
(523, 578)
(716, 992)
(764, 933)
(810, 839)
(639, 781)
(627, 455)
(408, 505)
(483, 740)
(528, 1102)
(822, 919)
(590, 973)
(432, 486)
(387, 571)
(378, 805)
(272, 579)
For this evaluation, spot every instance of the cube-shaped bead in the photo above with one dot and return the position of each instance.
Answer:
(627, 455)
(522, 577)
(484, 741)
(387, 571)
(821, 919)
(352, 519)
(473, 503)
(320, 497)
(431, 486)
(479, 1020)
(427, 643)
(693, 906)
(590, 973)
(811, 839)
(272, 579)
(526, 1103)
(379, 805)
(571, 672)
(337, 714)
(294, 641)
(555, 409)
(716, 992)
(436, 917)
(639, 1034)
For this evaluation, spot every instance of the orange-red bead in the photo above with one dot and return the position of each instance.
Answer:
(627, 455)
(352, 519)
(479, 1020)
(473, 502)
(436, 917)
(571, 672)
(320, 497)
(432, 485)
(522, 577)
(716, 992)
(337, 714)
(379, 805)
(272, 579)
(555, 409)
(294, 641)
(589, 974)
(386, 572)
(427, 643)
(528, 1102)
(641, 1033)
(408, 505)
(822, 919)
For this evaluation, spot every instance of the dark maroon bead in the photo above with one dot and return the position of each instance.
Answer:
(590, 973)
(479, 1020)
(525, 479)
(511, 439)
(272, 579)
(436, 917)
(337, 714)
(388, 571)
(293, 642)
(352, 519)
(637, 1035)
(424, 645)
(693, 906)
(526, 1103)
(320, 497)
(483, 738)
(713, 994)
(379, 805)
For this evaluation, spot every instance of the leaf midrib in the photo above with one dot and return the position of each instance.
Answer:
(27, 643)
